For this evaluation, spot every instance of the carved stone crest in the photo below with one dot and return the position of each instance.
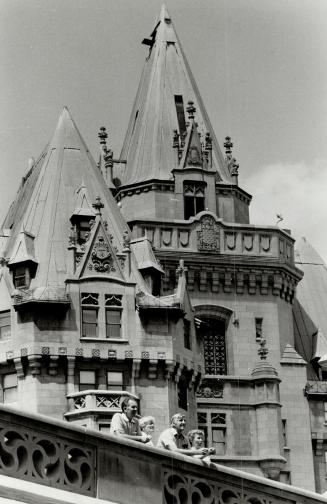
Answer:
(194, 156)
(265, 242)
(211, 389)
(101, 256)
(208, 236)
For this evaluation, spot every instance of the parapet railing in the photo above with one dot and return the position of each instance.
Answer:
(91, 400)
(56, 454)
(315, 387)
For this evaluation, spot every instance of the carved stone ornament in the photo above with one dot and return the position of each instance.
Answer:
(265, 242)
(230, 239)
(248, 242)
(208, 236)
(101, 256)
(194, 156)
(184, 238)
(46, 459)
(211, 389)
(179, 487)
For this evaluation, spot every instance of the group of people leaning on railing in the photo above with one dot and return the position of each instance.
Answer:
(129, 425)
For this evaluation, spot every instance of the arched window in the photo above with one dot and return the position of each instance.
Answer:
(214, 345)
(194, 196)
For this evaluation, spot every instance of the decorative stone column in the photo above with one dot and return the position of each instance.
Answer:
(266, 398)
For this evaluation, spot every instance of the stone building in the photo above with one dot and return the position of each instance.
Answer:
(143, 277)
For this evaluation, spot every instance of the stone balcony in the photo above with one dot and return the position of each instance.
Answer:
(52, 460)
(316, 388)
(206, 233)
(95, 405)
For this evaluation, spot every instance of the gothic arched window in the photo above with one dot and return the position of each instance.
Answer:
(194, 196)
(214, 345)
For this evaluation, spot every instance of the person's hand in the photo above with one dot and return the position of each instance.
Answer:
(204, 451)
(145, 437)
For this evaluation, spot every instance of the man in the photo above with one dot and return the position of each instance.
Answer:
(125, 424)
(173, 438)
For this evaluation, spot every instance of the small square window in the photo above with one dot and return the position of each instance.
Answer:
(202, 417)
(115, 380)
(87, 380)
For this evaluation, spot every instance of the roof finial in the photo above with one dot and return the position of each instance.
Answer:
(181, 269)
(103, 135)
(98, 205)
(177, 145)
(263, 351)
(107, 153)
(190, 109)
(208, 148)
(230, 160)
(228, 146)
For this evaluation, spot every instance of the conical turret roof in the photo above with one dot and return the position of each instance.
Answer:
(312, 290)
(65, 171)
(166, 86)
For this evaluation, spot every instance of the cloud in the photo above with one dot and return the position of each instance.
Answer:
(296, 191)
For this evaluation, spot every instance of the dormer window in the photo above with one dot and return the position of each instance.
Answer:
(21, 277)
(194, 198)
(83, 229)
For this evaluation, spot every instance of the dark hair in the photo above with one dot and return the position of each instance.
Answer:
(125, 402)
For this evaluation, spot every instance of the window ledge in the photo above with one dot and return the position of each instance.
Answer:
(105, 340)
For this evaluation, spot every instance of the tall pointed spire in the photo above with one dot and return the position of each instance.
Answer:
(166, 86)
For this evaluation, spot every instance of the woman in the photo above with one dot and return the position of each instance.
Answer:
(147, 426)
(196, 440)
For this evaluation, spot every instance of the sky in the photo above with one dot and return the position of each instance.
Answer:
(260, 65)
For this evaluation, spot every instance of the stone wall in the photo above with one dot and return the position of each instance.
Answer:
(51, 453)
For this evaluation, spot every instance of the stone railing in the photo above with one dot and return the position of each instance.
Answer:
(55, 454)
(53, 295)
(315, 388)
(206, 233)
(96, 400)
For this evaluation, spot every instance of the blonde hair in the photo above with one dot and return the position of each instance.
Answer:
(145, 421)
(174, 417)
(191, 435)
